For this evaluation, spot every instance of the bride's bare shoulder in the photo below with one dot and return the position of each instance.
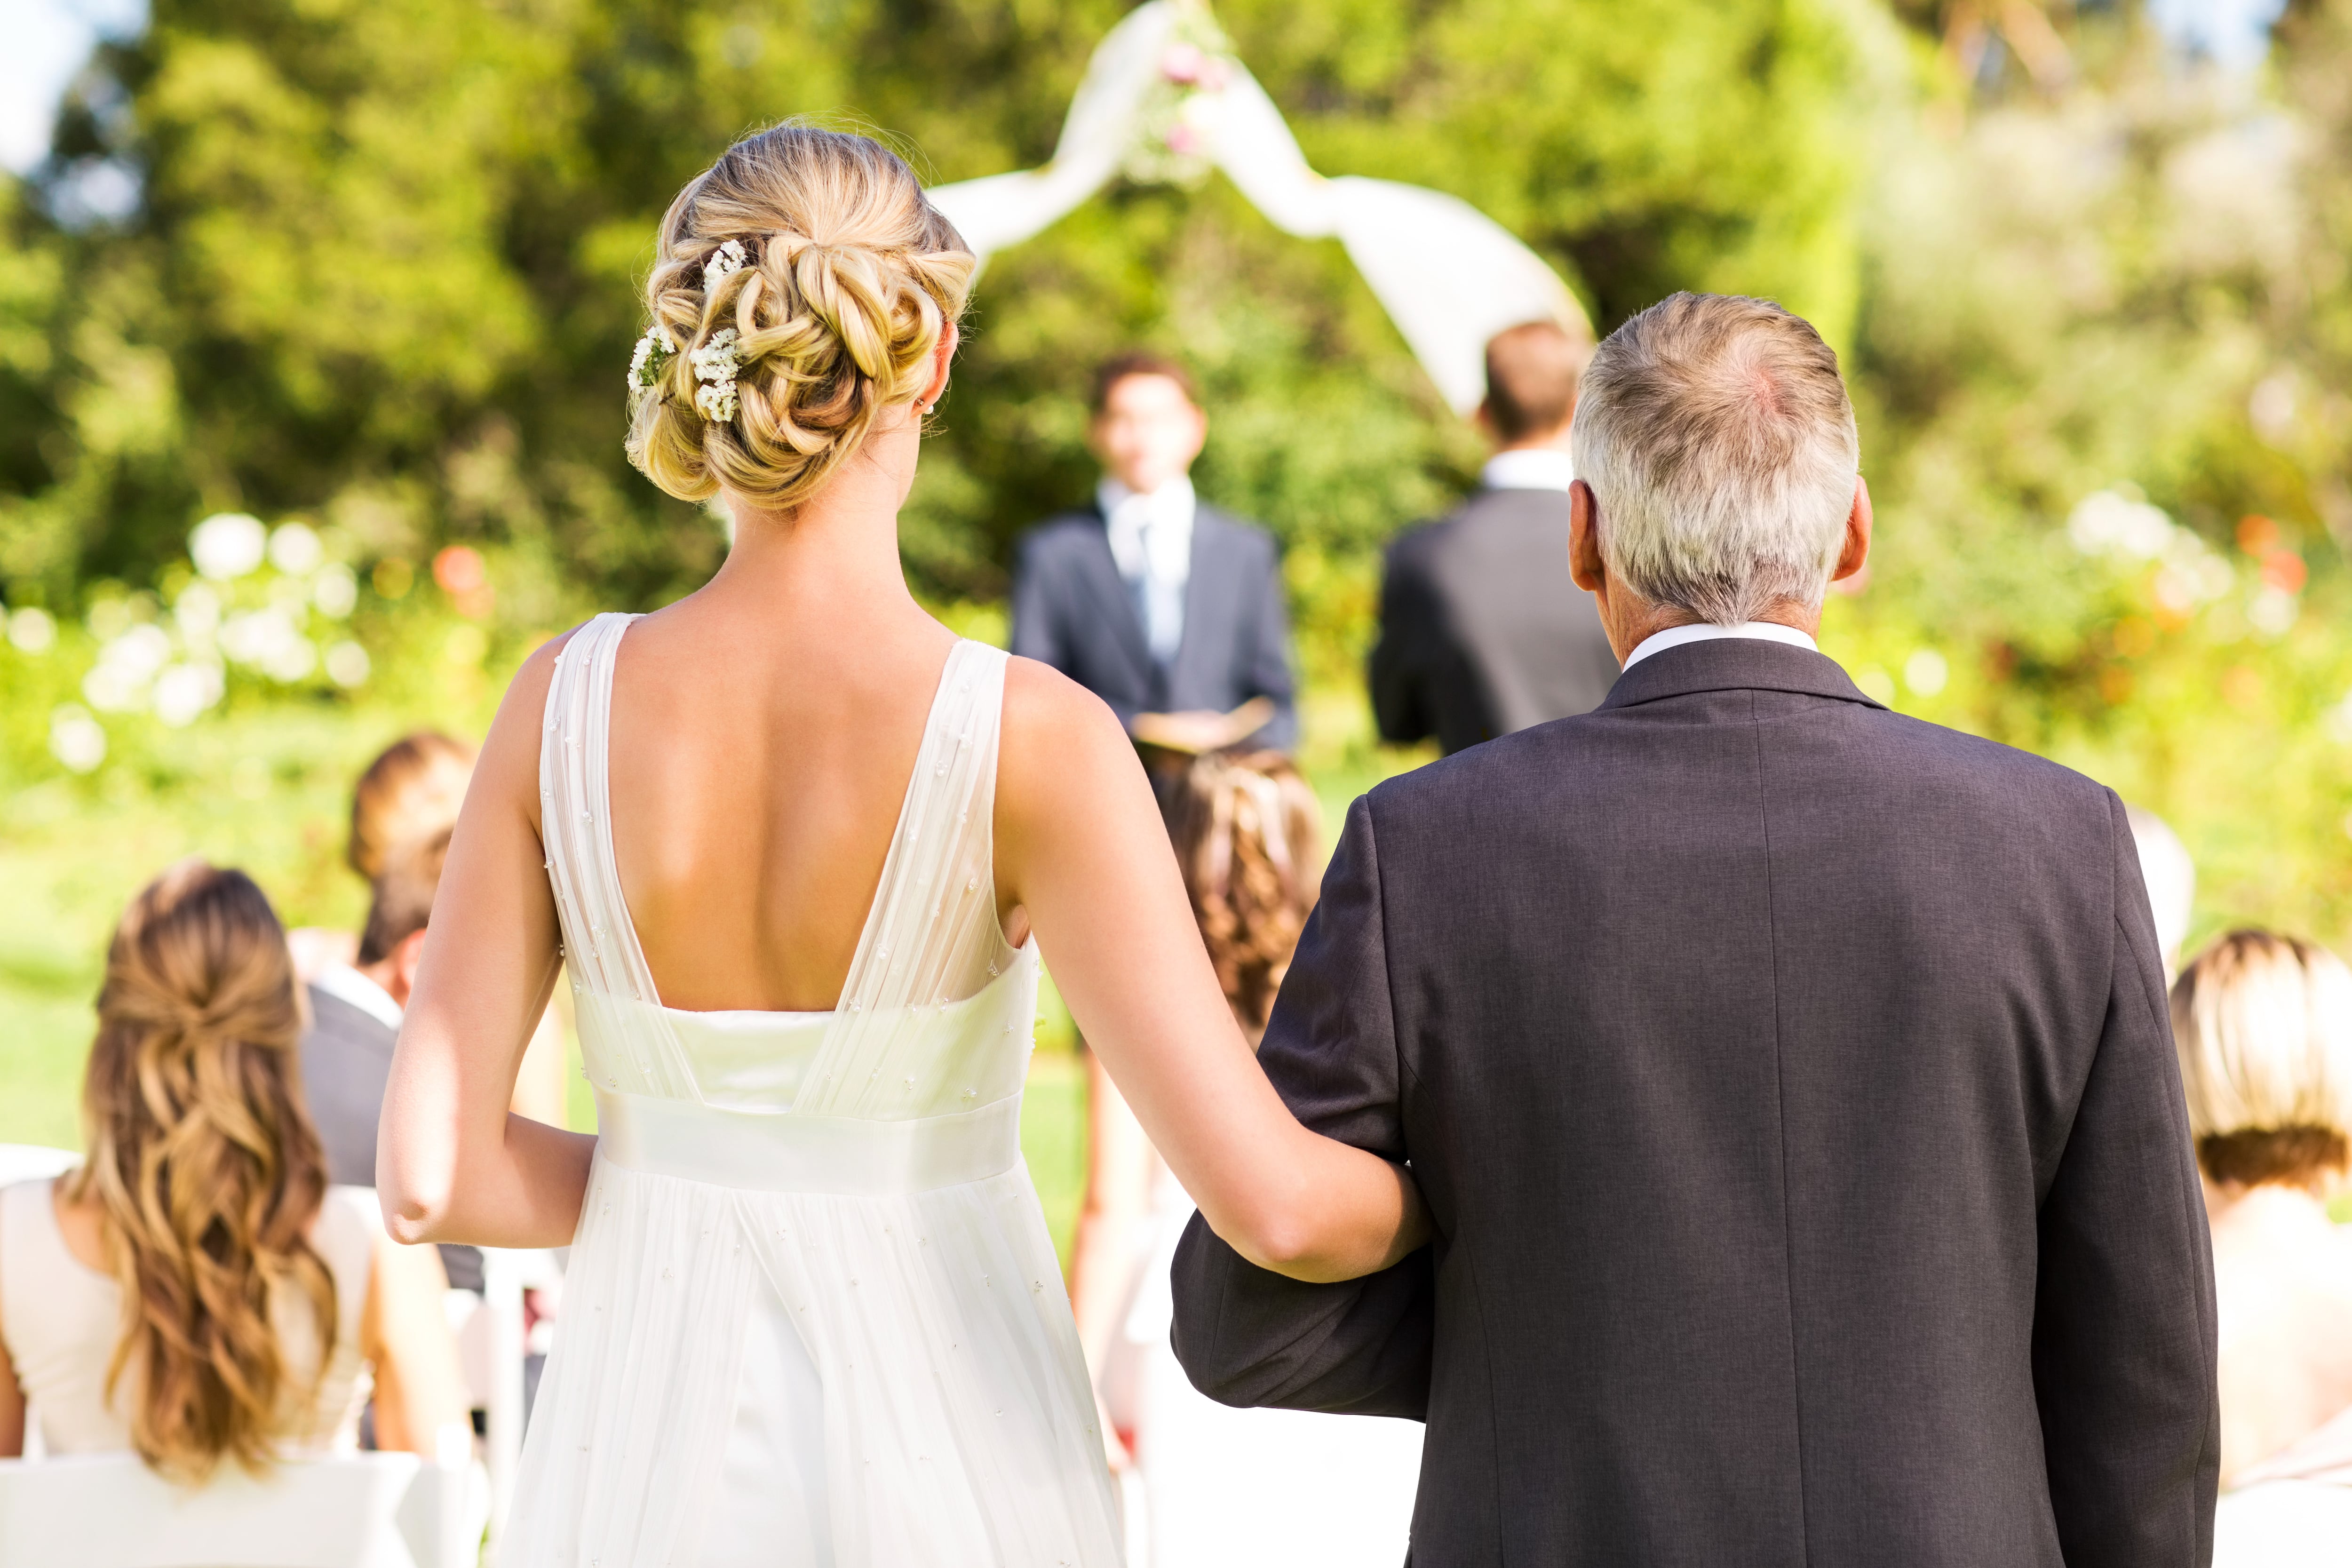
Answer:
(1060, 741)
(1046, 709)
(509, 758)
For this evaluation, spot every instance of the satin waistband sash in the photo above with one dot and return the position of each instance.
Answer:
(781, 1153)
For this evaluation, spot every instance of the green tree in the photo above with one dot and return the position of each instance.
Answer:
(382, 270)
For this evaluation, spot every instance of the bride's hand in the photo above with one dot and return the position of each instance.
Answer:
(1081, 844)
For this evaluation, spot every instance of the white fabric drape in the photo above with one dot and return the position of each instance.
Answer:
(1449, 276)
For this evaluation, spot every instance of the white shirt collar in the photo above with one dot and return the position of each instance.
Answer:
(1702, 631)
(1529, 469)
(345, 983)
(1150, 531)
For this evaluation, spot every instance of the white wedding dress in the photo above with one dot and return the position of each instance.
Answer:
(812, 1315)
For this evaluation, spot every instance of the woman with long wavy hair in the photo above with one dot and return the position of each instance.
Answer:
(196, 1291)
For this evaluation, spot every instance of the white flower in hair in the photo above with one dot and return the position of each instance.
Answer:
(654, 350)
(715, 364)
(728, 257)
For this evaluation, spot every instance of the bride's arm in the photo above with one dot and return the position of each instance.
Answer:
(1080, 844)
(452, 1162)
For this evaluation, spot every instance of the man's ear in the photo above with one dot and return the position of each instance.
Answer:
(1584, 562)
(1855, 554)
(407, 956)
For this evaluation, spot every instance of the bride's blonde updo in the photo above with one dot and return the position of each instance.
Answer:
(835, 276)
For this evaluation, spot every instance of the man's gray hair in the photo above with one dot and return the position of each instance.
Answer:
(1719, 443)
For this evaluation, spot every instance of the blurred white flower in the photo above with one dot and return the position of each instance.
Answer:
(110, 690)
(31, 630)
(183, 691)
(254, 637)
(2271, 407)
(2272, 611)
(347, 664)
(2109, 522)
(1925, 672)
(295, 550)
(335, 590)
(228, 544)
(1876, 684)
(125, 664)
(292, 661)
(2339, 720)
(2176, 590)
(197, 610)
(75, 739)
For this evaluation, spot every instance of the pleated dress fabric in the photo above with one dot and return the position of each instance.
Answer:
(812, 1315)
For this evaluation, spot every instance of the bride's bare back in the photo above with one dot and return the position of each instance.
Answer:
(757, 769)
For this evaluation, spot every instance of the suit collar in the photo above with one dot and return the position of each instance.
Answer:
(1734, 664)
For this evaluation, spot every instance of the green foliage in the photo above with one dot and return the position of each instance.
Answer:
(383, 272)
(2136, 287)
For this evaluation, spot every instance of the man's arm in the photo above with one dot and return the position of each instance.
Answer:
(1398, 670)
(2124, 1330)
(1249, 1337)
(1270, 673)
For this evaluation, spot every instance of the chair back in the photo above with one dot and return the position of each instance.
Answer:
(31, 1162)
(110, 1511)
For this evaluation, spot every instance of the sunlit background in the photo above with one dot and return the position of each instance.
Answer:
(313, 319)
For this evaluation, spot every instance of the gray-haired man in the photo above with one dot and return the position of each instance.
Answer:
(1791, 1082)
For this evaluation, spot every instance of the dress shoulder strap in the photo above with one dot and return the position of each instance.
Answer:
(634, 1048)
(575, 816)
(931, 937)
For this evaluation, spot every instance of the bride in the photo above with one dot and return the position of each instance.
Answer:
(797, 847)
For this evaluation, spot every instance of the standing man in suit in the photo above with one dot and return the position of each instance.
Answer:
(1165, 607)
(1482, 629)
(1792, 1083)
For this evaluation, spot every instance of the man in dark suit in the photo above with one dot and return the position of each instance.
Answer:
(1483, 630)
(355, 1011)
(1165, 607)
(1791, 1082)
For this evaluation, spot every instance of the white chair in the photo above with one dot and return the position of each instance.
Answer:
(491, 1347)
(32, 1161)
(110, 1511)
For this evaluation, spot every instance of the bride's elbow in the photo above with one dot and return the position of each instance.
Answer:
(415, 1201)
(1281, 1238)
(409, 1216)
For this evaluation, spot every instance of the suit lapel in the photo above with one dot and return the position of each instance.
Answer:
(1113, 603)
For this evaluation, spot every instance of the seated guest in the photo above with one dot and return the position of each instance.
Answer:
(355, 1009)
(411, 791)
(1168, 609)
(1224, 1488)
(408, 796)
(1483, 630)
(2264, 1025)
(197, 1291)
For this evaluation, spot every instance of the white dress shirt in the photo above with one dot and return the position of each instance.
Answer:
(1152, 540)
(1529, 469)
(1761, 631)
(345, 983)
